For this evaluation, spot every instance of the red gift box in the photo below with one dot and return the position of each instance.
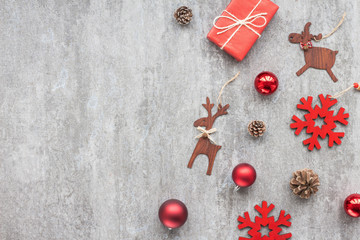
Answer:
(240, 25)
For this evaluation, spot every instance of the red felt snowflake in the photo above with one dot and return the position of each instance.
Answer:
(329, 121)
(264, 220)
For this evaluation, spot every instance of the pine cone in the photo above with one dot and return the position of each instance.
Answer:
(183, 15)
(256, 128)
(304, 183)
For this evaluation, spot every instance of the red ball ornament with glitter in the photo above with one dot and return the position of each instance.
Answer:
(173, 213)
(352, 205)
(243, 175)
(266, 83)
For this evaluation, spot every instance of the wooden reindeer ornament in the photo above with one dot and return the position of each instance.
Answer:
(315, 57)
(206, 145)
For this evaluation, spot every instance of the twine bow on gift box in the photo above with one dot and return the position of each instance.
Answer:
(247, 22)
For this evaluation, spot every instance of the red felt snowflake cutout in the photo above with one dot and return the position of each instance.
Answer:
(329, 121)
(264, 220)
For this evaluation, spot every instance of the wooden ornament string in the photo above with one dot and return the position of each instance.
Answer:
(339, 94)
(218, 100)
(334, 30)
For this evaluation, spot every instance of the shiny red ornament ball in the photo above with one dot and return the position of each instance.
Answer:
(266, 83)
(173, 213)
(352, 205)
(244, 175)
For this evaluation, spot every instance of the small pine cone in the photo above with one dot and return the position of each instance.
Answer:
(183, 15)
(256, 128)
(304, 183)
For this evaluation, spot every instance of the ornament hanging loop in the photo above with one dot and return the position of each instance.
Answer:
(339, 94)
(218, 100)
(334, 30)
(236, 188)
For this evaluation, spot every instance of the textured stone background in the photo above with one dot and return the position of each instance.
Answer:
(97, 101)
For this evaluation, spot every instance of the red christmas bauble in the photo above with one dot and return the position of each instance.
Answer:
(244, 175)
(266, 83)
(352, 205)
(173, 213)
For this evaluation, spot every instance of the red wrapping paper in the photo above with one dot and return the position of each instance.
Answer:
(244, 38)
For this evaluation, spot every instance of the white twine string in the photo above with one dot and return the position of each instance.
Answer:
(334, 30)
(206, 133)
(339, 94)
(247, 22)
(218, 100)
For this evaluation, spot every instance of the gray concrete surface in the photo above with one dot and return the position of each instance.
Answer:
(97, 101)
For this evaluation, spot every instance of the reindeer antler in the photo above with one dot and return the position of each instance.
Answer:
(208, 106)
(306, 34)
(221, 111)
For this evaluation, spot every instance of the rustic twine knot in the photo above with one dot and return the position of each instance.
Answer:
(206, 133)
